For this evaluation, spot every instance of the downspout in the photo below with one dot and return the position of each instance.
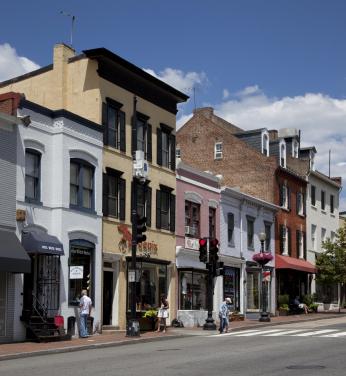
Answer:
(243, 268)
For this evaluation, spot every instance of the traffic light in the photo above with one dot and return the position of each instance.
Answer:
(141, 228)
(219, 270)
(203, 251)
(213, 250)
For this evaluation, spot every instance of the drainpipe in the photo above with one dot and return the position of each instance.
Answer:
(243, 271)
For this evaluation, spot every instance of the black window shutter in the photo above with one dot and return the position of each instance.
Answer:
(105, 195)
(148, 205)
(172, 213)
(304, 244)
(149, 143)
(289, 240)
(158, 209)
(172, 145)
(105, 122)
(122, 126)
(304, 203)
(282, 229)
(297, 202)
(298, 235)
(122, 195)
(281, 198)
(288, 198)
(133, 137)
(159, 147)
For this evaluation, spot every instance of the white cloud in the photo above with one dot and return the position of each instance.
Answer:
(12, 65)
(249, 90)
(225, 94)
(184, 82)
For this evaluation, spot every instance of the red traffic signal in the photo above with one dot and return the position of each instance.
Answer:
(202, 242)
(213, 243)
(203, 251)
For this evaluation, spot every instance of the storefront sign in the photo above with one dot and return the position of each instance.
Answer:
(76, 272)
(146, 249)
(192, 243)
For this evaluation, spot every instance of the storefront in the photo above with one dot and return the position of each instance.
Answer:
(231, 285)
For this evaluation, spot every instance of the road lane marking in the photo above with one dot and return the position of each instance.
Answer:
(283, 333)
(315, 333)
(233, 333)
(259, 333)
(335, 335)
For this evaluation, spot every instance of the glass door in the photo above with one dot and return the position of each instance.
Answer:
(253, 288)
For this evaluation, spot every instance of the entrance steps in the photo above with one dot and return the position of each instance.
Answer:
(110, 329)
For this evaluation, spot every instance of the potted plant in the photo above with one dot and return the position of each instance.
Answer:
(283, 310)
(236, 316)
(313, 307)
(148, 319)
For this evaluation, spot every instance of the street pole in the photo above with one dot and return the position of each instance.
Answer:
(209, 322)
(264, 316)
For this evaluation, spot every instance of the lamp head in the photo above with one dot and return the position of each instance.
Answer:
(262, 236)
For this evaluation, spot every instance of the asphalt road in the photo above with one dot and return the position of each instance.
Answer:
(313, 348)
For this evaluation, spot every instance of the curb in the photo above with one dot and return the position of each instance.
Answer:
(174, 335)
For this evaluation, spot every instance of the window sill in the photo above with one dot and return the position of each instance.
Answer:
(332, 215)
(33, 202)
(313, 207)
(83, 210)
(323, 211)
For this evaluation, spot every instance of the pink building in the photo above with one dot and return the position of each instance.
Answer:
(197, 216)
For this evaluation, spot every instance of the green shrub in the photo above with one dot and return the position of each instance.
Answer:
(283, 299)
(308, 299)
(284, 307)
(150, 313)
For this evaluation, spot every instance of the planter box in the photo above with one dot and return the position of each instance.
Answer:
(283, 312)
(147, 324)
(237, 317)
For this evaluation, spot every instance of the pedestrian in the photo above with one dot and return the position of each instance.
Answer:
(85, 305)
(163, 314)
(224, 311)
(300, 305)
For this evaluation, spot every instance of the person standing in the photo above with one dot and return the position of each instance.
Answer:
(224, 311)
(163, 314)
(85, 305)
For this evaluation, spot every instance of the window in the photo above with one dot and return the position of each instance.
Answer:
(285, 240)
(218, 150)
(332, 236)
(192, 219)
(323, 234)
(250, 232)
(113, 120)
(114, 194)
(295, 149)
(313, 195)
(32, 175)
(143, 140)
(300, 203)
(282, 154)
(143, 192)
(166, 151)
(332, 204)
(323, 200)
(212, 224)
(285, 197)
(231, 288)
(177, 153)
(81, 256)
(300, 244)
(265, 144)
(313, 237)
(192, 290)
(165, 209)
(151, 286)
(268, 232)
(81, 185)
(230, 228)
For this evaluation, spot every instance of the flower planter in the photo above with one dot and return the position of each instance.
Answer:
(237, 317)
(147, 323)
(283, 312)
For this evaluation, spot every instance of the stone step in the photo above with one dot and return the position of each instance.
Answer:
(110, 329)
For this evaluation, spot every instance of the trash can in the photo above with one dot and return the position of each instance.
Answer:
(90, 325)
(71, 325)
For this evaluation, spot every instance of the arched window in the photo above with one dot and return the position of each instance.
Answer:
(265, 144)
(295, 149)
(283, 154)
(32, 175)
(81, 185)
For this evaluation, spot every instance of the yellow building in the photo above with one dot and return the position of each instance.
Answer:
(104, 88)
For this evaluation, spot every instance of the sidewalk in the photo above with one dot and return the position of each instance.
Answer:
(28, 349)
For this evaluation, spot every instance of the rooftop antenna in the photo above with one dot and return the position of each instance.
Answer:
(72, 24)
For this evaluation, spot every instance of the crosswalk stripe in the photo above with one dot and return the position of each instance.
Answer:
(335, 335)
(283, 333)
(258, 333)
(314, 333)
(234, 333)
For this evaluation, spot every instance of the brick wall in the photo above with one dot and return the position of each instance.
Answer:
(9, 103)
(241, 166)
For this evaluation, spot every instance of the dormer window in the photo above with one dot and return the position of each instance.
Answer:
(283, 154)
(218, 150)
(265, 144)
(295, 149)
(312, 161)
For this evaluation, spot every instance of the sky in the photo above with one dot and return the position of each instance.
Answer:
(258, 63)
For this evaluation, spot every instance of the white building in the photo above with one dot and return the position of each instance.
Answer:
(59, 188)
(322, 220)
(243, 218)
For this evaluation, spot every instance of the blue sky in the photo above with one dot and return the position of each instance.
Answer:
(274, 63)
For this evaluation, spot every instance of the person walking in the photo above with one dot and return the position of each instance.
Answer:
(224, 311)
(85, 305)
(163, 314)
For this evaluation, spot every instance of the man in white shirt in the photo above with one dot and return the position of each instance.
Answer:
(85, 305)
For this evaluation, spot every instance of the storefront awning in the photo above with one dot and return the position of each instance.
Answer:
(286, 262)
(41, 242)
(13, 258)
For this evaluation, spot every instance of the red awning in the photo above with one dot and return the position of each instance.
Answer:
(286, 262)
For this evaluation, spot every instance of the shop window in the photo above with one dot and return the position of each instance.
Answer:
(81, 185)
(81, 271)
(212, 224)
(192, 219)
(32, 175)
(151, 285)
(231, 286)
(192, 290)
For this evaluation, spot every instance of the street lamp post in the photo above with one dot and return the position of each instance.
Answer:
(262, 259)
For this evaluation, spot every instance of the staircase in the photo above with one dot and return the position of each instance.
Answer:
(110, 329)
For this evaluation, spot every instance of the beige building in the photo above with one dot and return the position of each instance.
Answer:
(106, 89)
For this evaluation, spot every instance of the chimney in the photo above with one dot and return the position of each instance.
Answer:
(207, 112)
(337, 179)
(62, 53)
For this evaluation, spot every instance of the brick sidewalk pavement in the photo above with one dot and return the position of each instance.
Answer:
(26, 349)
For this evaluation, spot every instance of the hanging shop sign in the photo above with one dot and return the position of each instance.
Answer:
(76, 272)
(146, 249)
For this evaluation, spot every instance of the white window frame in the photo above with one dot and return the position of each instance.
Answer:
(323, 235)
(285, 242)
(282, 149)
(218, 150)
(284, 196)
(177, 153)
(295, 149)
(301, 203)
(313, 237)
(301, 245)
(265, 143)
